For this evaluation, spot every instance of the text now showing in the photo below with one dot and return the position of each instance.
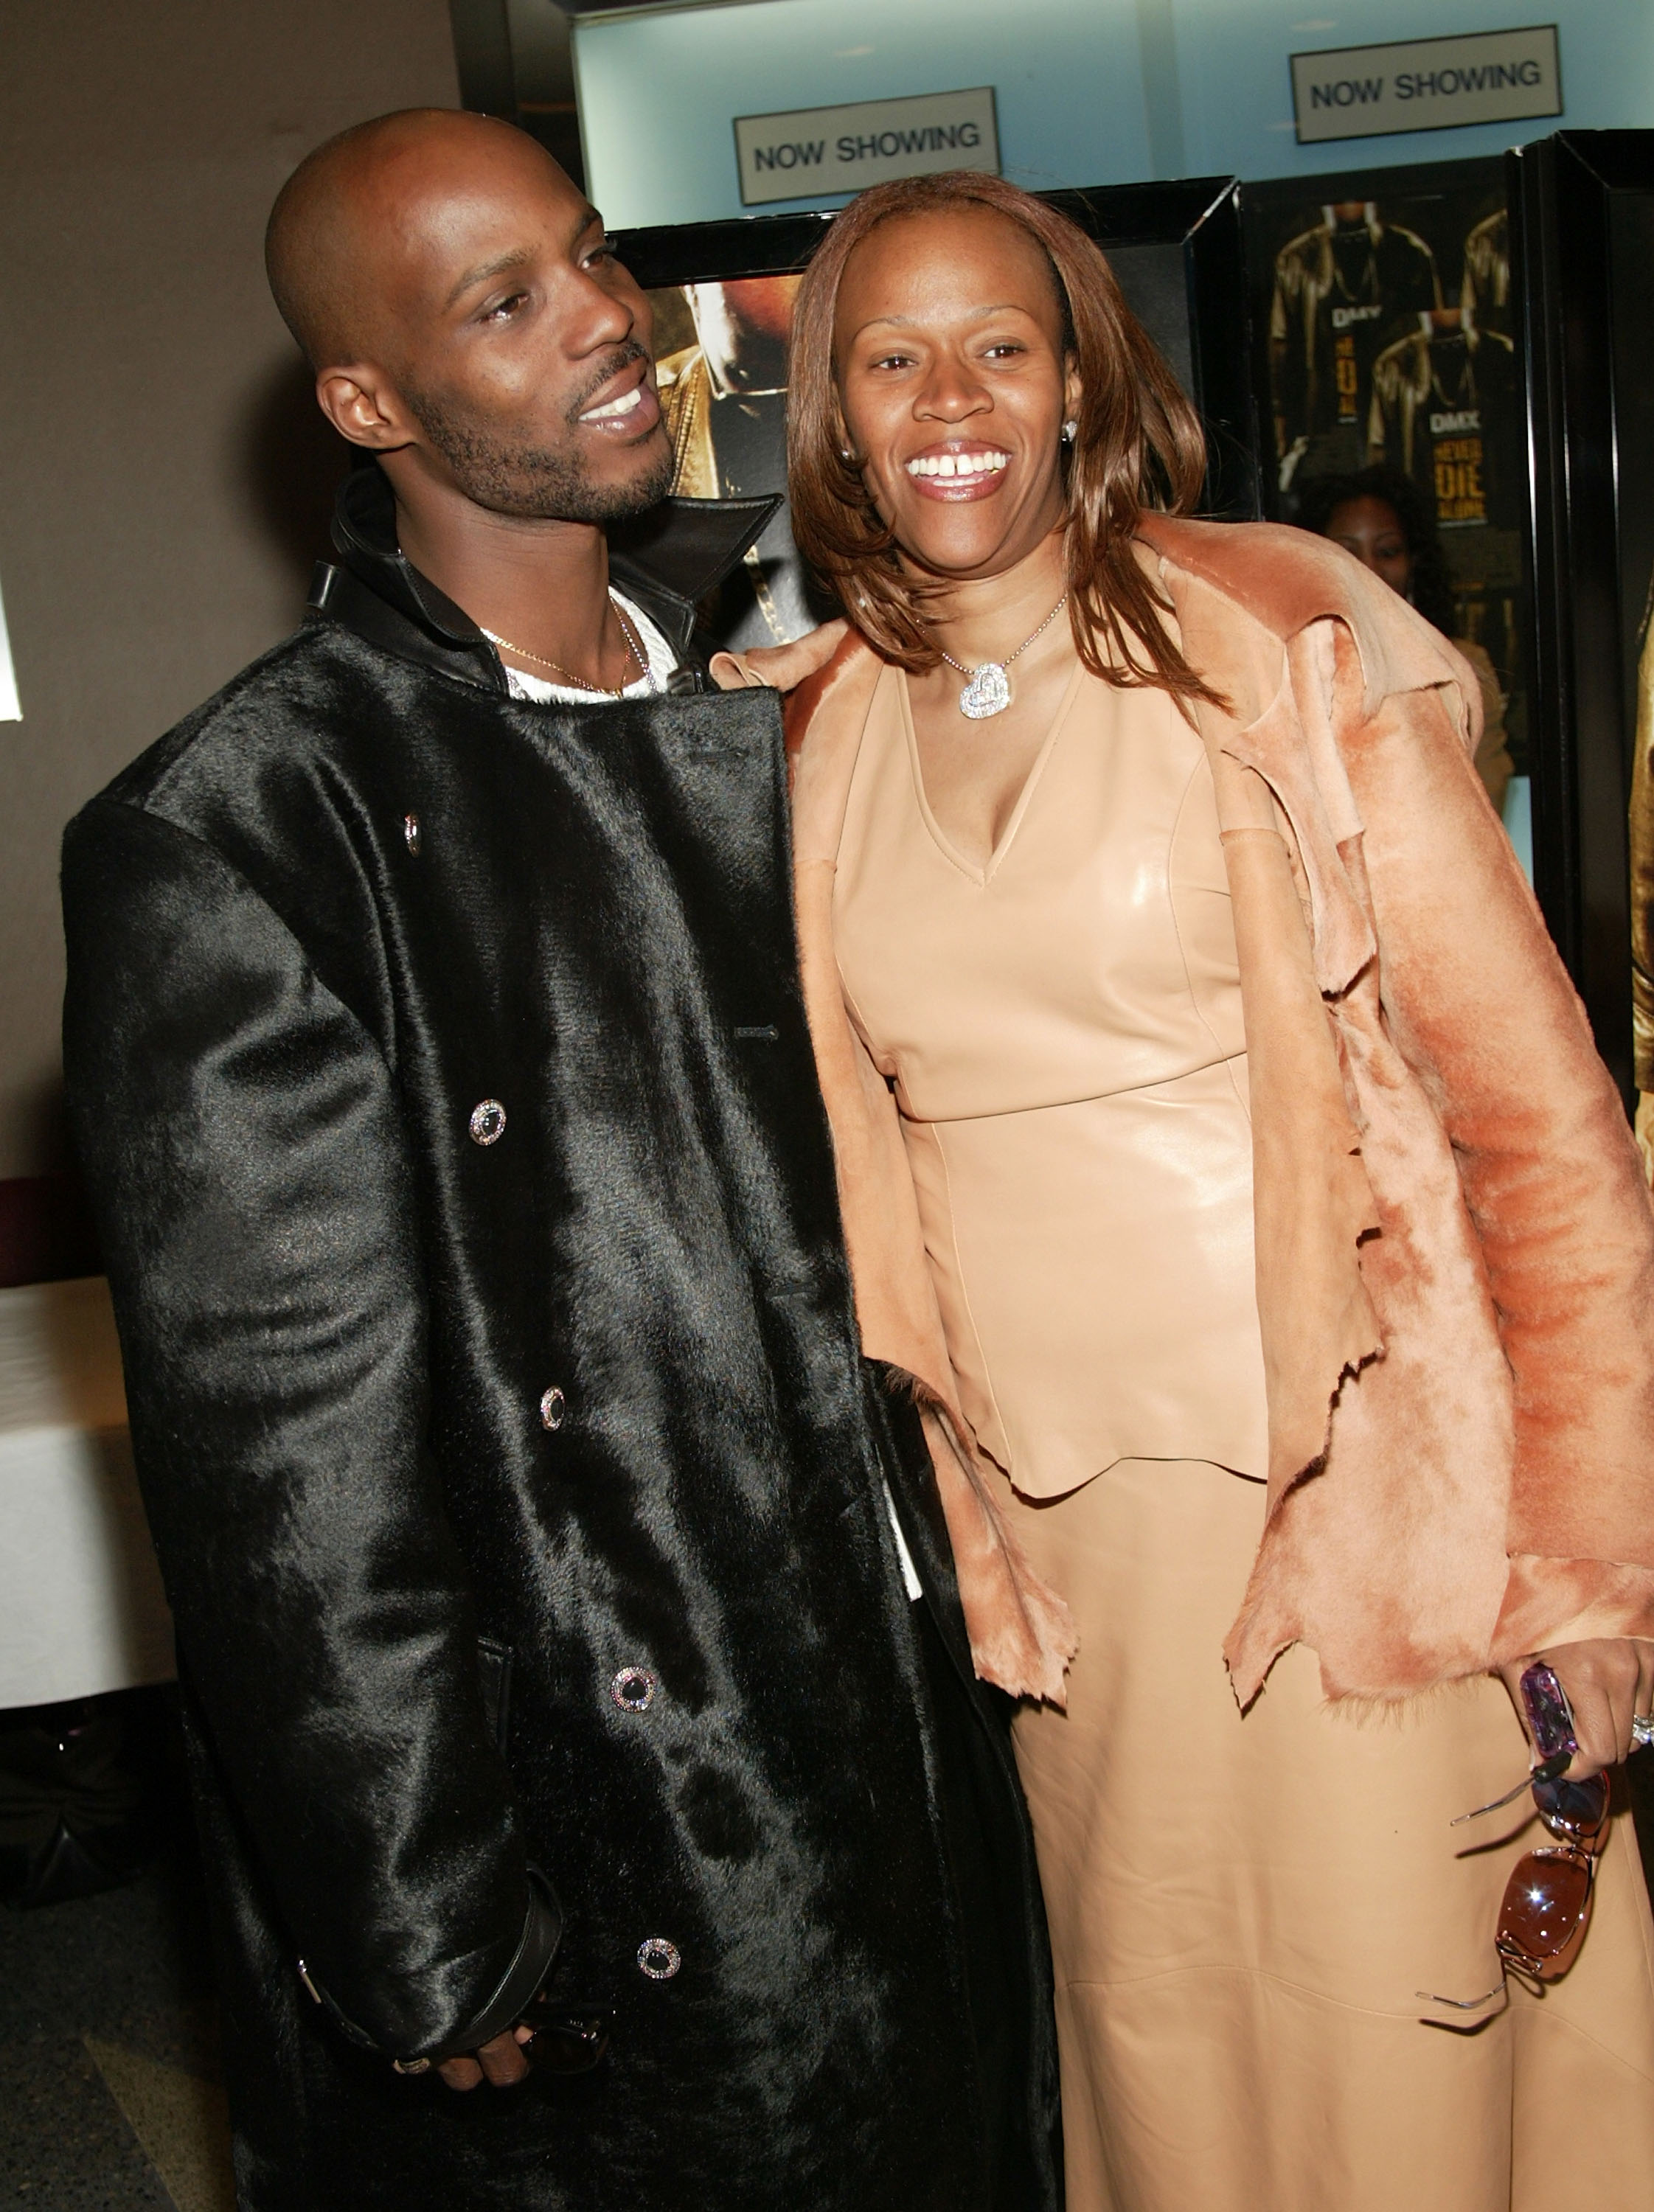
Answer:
(814, 151)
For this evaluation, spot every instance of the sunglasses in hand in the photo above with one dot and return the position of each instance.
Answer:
(1547, 1903)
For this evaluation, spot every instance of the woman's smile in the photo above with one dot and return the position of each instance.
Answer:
(958, 469)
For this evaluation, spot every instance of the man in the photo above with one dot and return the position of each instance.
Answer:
(1444, 401)
(1343, 291)
(725, 400)
(556, 1689)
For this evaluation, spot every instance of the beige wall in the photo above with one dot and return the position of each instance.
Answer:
(162, 472)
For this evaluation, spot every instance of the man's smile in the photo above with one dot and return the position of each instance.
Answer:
(626, 402)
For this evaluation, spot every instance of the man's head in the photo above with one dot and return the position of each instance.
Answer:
(743, 327)
(466, 320)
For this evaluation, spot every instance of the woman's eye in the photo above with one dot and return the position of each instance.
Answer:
(891, 360)
(1002, 349)
(604, 251)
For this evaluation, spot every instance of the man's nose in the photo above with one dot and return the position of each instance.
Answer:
(603, 317)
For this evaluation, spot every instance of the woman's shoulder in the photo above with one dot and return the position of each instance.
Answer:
(1286, 581)
(1287, 578)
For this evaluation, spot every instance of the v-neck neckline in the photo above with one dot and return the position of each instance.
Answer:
(982, 873)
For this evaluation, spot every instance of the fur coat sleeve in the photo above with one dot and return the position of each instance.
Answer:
(279, 1392)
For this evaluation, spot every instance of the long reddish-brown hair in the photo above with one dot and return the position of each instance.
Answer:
(1138, 445)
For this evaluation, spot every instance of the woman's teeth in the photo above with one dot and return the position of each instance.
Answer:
(957, 464)
(614, 407)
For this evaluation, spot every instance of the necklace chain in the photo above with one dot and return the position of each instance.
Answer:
(1022, 648)
(603, 691)
(988, 690)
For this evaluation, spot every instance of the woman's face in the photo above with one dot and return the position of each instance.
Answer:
(1372, 530)
(947, 344)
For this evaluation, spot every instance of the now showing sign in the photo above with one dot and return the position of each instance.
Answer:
(1426, 84)
(813, 151)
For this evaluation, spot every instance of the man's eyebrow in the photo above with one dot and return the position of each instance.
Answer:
(517, 255)
(512, 260)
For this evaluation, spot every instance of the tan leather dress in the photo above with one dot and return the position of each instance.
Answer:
(1243, 1912)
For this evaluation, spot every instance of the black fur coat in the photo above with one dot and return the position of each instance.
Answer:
(438, 1066)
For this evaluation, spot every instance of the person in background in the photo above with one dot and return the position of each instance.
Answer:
(1224, 1153)
(1380, 516)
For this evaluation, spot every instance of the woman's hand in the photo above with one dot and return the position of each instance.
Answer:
(777, 667)
(1609, 1680)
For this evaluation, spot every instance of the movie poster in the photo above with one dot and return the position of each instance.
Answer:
(722, 350)
(1384, 300)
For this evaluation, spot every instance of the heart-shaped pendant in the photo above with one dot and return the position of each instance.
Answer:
(988, 692)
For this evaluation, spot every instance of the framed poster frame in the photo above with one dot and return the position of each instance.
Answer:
(1587, 339)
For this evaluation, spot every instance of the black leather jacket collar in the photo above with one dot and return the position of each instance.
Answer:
(665, 560)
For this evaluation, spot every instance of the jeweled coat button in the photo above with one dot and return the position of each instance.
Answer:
(488, 1123)
(658, 1959)
(633, 1689)
(553, 1405)
(410, 833)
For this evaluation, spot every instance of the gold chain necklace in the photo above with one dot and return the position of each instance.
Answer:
(988, 691)
(602, 690)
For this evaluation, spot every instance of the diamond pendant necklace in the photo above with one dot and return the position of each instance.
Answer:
(988, 691)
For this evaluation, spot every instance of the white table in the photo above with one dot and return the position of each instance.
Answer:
(81, 1604)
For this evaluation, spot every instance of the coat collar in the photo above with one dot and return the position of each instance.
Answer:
(665, 560)
(1287, 580)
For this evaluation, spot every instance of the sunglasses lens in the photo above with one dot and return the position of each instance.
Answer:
(1543, 1914)
(1577, 1808)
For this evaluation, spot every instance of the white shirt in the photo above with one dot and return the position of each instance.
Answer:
(662, 661)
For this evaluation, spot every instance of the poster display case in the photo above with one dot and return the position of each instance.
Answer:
(1384, 337)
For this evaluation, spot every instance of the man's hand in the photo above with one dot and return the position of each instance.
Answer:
(1609, 1680)
(778, 667)
(500, 2062)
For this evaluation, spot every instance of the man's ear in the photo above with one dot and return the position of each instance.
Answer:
(362, 406)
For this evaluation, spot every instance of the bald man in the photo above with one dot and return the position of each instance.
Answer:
(599, 1811)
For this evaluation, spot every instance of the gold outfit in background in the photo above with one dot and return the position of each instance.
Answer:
(1485, 289)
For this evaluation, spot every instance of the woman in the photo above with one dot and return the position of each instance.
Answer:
(1379, 516)
(1211, 1112)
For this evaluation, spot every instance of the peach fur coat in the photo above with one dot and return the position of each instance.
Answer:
(1454, 1244)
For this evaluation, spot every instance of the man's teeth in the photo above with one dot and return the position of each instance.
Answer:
(622, 406)
(957, 464)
